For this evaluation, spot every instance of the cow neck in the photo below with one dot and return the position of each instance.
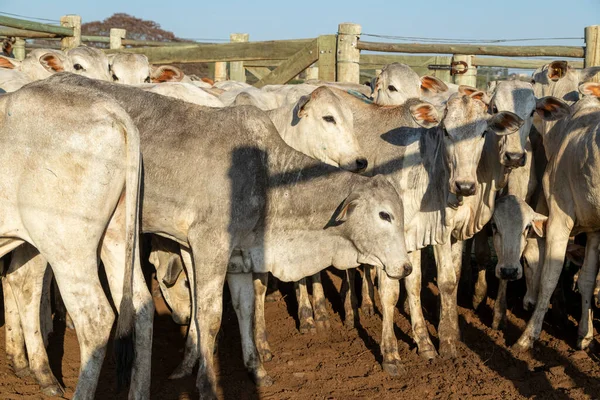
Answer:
(287, 125)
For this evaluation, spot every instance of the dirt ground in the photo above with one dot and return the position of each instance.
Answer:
(344, 363)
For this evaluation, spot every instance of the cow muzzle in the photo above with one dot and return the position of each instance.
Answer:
(509, 273)
(514, 160)
(464, 188)
(398, 273)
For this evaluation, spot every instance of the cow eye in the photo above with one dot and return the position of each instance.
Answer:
(78, 67)
(494, 109)
(385, 216)
(392, 88)
(115, 78)
(533, 81)
(147, 80)
(329, 118)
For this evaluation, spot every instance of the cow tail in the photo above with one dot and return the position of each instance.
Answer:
(125, 334)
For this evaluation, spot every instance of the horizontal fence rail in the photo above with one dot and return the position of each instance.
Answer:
(514, 51)
(35, 26)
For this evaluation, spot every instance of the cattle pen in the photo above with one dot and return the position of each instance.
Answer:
(340, 57)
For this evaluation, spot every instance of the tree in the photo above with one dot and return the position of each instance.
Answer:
(137, 28)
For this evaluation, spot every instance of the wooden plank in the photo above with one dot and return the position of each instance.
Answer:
(35, 26)
(236, 69)
(263, 63)
(515, 51)
(270, 50)
(258, 72)
(14, 32)
(376, 61)
(592, 48)
(516, 63)
(327, 57)
(292, 66)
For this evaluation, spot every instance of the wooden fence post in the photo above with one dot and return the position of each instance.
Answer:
(116, 38)
(19, 49)
(71, 21)
(592, 48)
(469, 78)
(236, 69)
(327, 44)
(220, 71)
(348, 56)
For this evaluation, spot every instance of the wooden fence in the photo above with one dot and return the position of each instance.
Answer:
(339, 57)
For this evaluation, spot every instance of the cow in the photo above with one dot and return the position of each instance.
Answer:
(571, 146)
(184, 91)
(70, 187)
(253, 186)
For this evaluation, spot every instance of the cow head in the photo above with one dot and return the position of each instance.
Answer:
(325, 131)
(518, 97)
(512, 223)
(463, 128)
(372, 218)
(172, 279)
(398, 82)
(90, 62)
(129, 69)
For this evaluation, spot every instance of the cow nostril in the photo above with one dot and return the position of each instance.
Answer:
(362, 163)
(408, 268)
(509, 273)
(465, 188)
(516, 158)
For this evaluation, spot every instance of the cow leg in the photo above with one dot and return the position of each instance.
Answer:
(210, 269)
(413, 296)
(241, 287)
(349, 295)
(483, 256)
(500, 306)
(368, 289)
(319, 306)
(15, 339)
(260, 327)
(305, 313)
(533, 254)
(389, 291)
(597, 290)
(26, 280)
(448, 259)
(113, 256)
(190, 353)
(586, 284)
(558, 228)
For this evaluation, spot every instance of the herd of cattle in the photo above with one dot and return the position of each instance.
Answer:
(234, 183)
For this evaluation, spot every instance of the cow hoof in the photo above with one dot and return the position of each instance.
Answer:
(323, 325)
(180, 372)
(393, 368)
(53, 391)
(522, 346)
(266, 355)
(265, 381)
(367, 309)
(448, 349)
(584, 342)
(308, 328)
(428, 352)
(23, 372)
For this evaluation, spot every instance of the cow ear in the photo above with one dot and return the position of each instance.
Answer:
(587, 73)
(302, 106)
(173, 270)
(166, 73)
(538, 224)
(590, 89)
(432, 84)
(557, 70)
(51, 62)
(9, 63)
(348, 208)
(474, 93)
(505, 123)
(425, 115)
(551, 109)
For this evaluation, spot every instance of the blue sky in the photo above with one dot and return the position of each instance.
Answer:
(269, 20)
